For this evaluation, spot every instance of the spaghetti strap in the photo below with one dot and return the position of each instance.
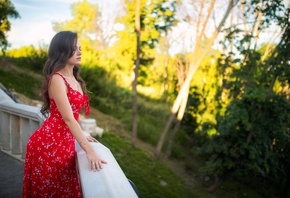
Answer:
(67, 84)
(49, 78)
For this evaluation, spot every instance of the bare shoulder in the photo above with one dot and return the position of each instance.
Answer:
(55, 78)
(56, 85)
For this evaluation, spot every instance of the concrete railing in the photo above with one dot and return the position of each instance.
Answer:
(109, 182)
(19, 121)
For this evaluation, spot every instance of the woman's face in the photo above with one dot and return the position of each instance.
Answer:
(76, 57)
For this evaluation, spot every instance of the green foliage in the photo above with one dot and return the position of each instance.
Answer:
(7, 11)
(156, 17)
(83, 20)
(202, 107)
(253, 139)
(30, 57)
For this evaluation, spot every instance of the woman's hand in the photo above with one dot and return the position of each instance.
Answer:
(95, 162)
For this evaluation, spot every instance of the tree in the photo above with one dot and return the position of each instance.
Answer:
(7, 11)
(137, 42)
(200, 51)
(84, 17)
(156, 17)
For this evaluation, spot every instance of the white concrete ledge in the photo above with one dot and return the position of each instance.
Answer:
(22, 110)
(4, 96)
(110, 182)
(17, 123)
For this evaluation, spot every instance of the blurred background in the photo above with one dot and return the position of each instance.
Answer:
(193, 94)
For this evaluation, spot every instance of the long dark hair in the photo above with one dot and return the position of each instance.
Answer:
(62, 47)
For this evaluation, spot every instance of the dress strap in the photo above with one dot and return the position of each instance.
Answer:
(49, 78)
(66, 83)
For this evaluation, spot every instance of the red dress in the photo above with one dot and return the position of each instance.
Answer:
(50, 167)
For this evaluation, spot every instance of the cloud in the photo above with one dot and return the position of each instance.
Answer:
(30, 34)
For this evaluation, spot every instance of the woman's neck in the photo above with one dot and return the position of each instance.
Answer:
(67, 72)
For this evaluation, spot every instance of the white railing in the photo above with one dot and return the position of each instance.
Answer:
(19, 121)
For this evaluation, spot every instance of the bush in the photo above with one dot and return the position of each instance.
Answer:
(253, 141)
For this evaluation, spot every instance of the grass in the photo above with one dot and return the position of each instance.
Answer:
(21, 83)
(152, 178)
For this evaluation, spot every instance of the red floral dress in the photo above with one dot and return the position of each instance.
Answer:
(50, 167)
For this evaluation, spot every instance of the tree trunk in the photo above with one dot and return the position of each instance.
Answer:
(257, 28)
(163, 135)
(177, 125)
(171, 138)
(165, 75)
(135, 81)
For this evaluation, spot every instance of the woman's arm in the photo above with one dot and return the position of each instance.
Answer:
(58, 91)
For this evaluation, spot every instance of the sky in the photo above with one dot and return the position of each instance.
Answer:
(35, 24)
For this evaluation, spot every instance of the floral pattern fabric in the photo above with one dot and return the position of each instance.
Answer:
(50, 167)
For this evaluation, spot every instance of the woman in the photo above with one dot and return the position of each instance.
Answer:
(50, 168)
